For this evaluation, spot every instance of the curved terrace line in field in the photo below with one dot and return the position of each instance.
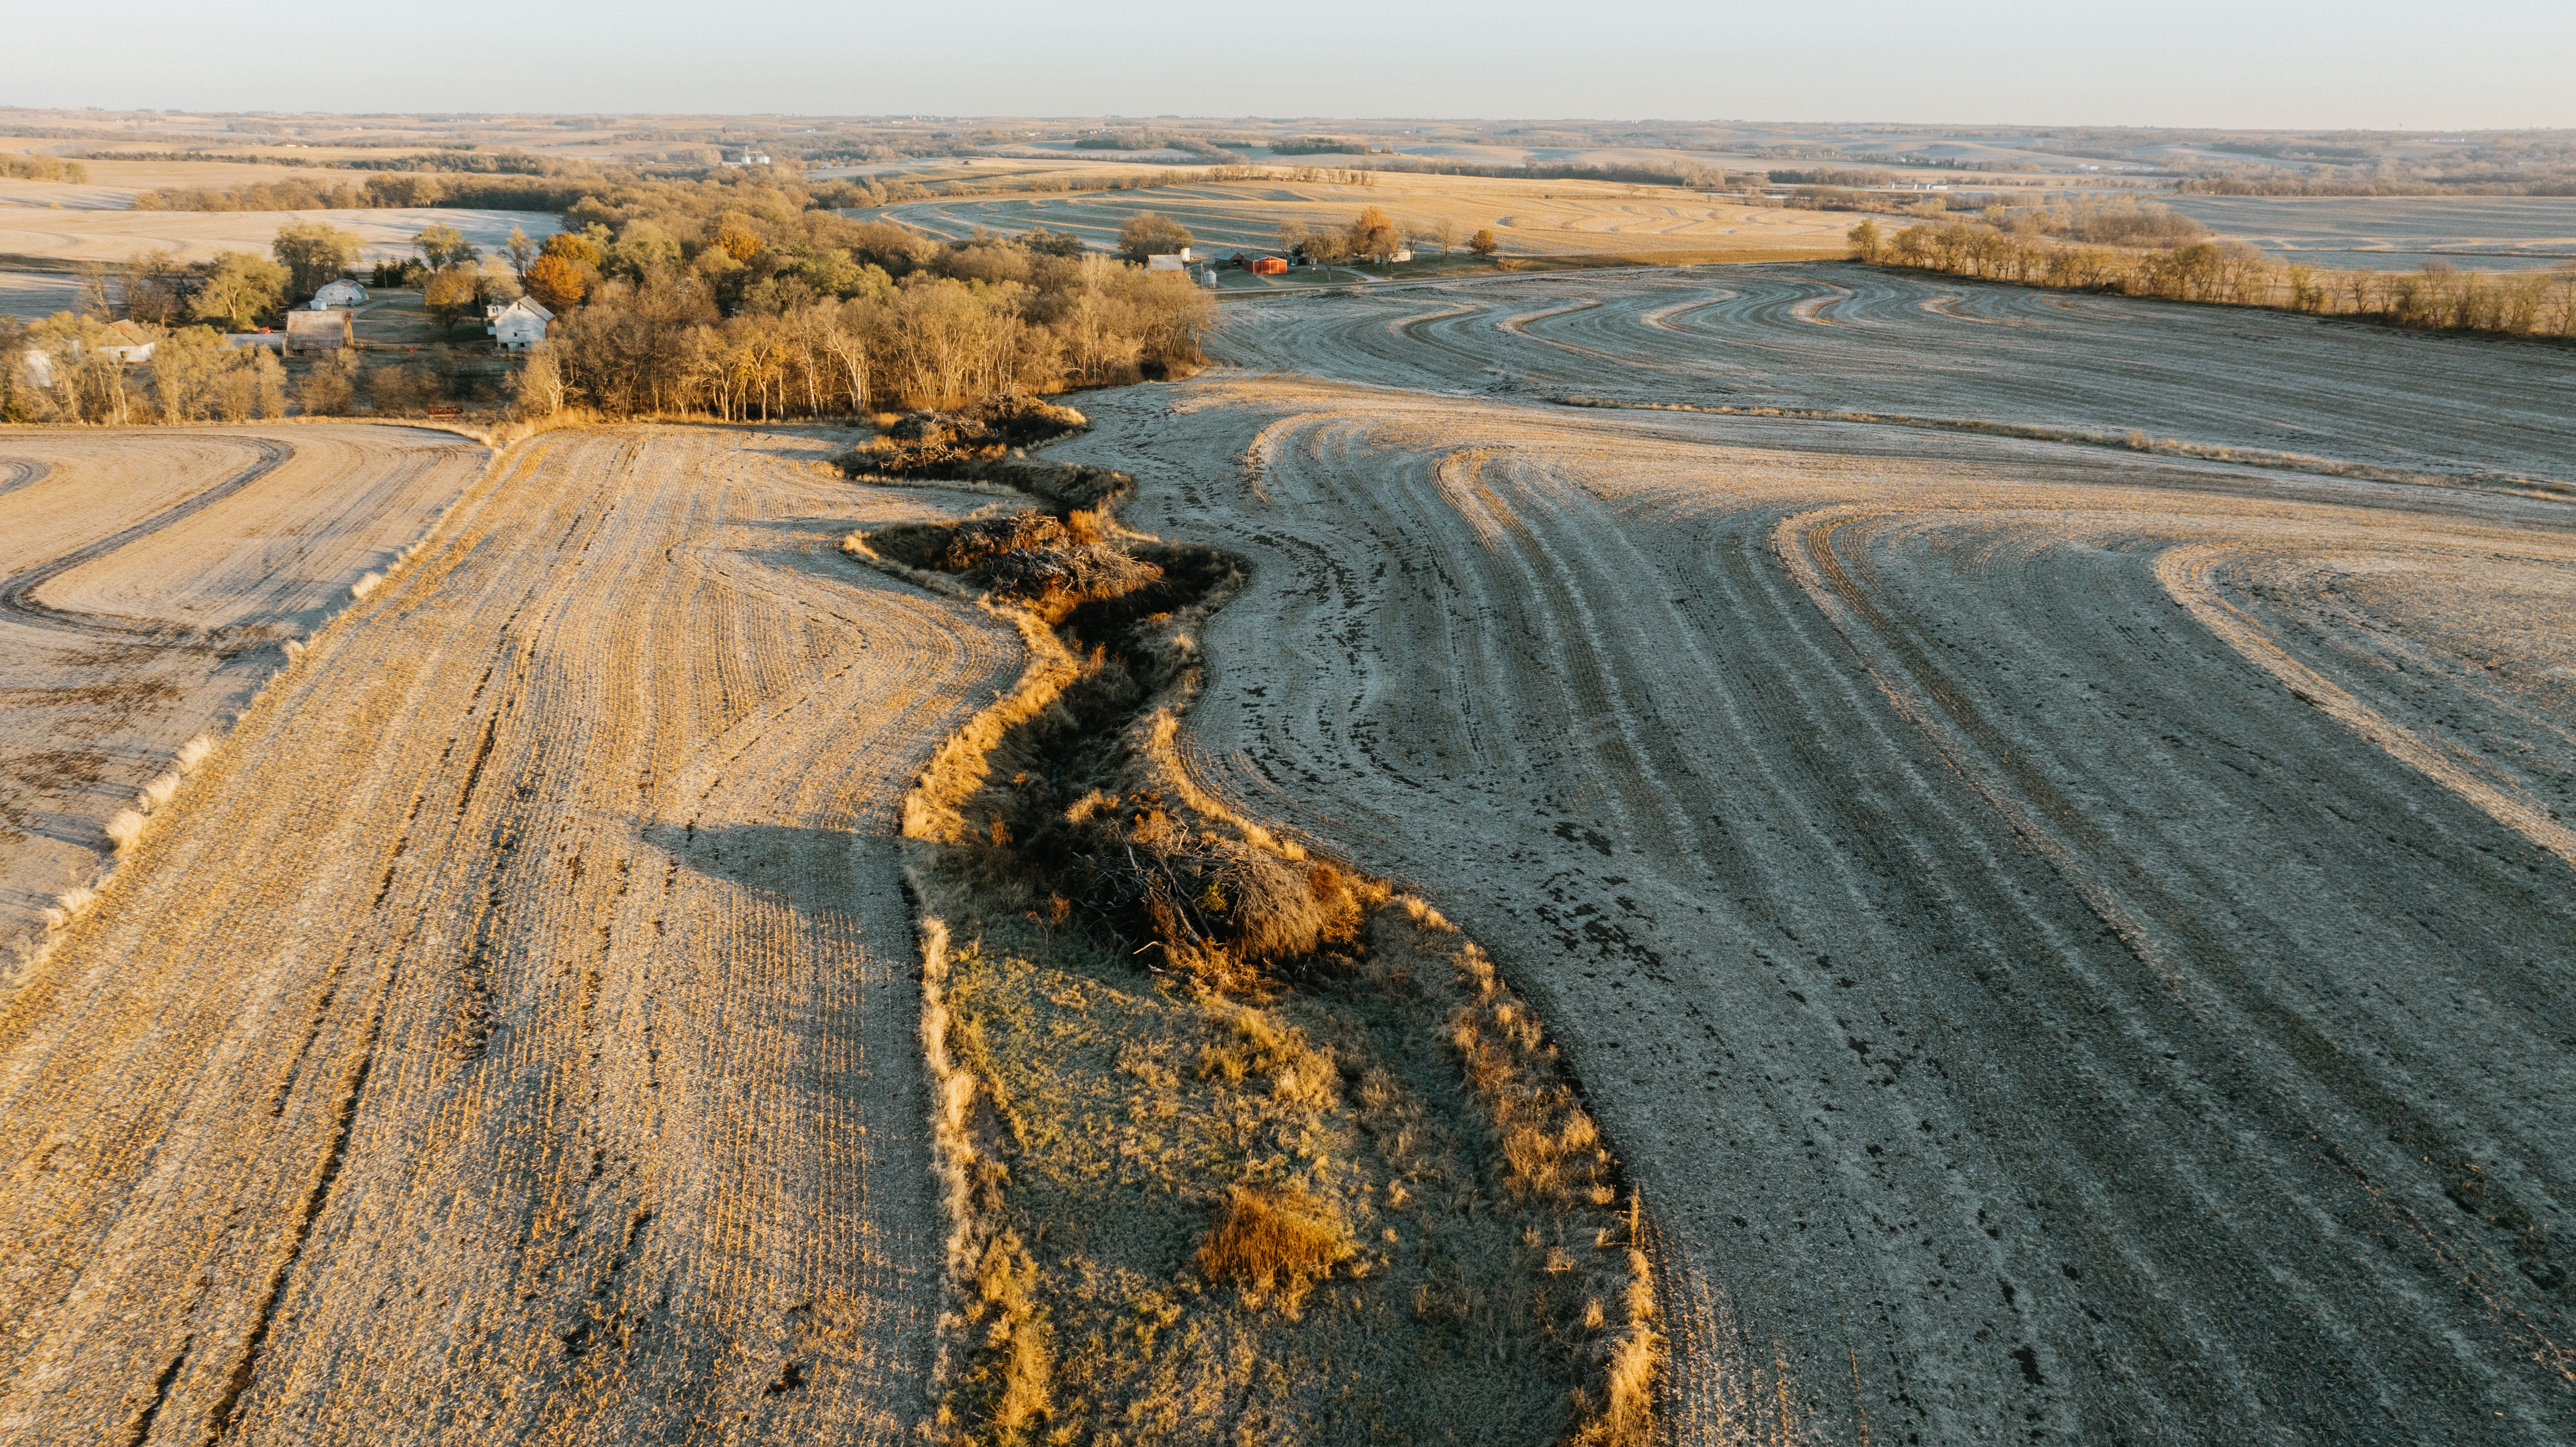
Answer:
(147, 579)
(1995, 973)
(510, 1033)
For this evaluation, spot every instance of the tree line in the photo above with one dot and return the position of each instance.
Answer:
(965, 320)
(2531, 304)
(27, 166)
(61, 369)
(677, 305)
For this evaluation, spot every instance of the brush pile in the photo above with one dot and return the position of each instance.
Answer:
(987, 443)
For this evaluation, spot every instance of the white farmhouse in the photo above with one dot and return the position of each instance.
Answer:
(343, 292)
(518, 326)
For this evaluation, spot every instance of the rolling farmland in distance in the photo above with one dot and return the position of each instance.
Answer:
(2022, 842)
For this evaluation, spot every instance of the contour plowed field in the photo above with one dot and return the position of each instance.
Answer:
(2074, 943)
(1857, 339)
(510, 1035)
(147, 579)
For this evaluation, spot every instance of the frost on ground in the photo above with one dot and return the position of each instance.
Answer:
(510, 1034)
(2076, 940)
(147, 581)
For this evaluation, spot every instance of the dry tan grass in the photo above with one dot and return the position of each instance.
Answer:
(1276, 1241)
(125, 829)
(1290, 1129)
(69, 904)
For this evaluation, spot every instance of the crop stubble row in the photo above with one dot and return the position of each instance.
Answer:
(505, 1035)
(2029, 1013)
(147, 579)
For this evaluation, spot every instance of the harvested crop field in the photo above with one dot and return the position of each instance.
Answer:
(148, 582)
(510, 1034)
(69, 236)
(2073, 941)
(1848, 338)
(2396, 232)
(1529, 218)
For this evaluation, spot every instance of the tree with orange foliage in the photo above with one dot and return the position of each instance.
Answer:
(1374, 235)
(739, 241)
(556, 283)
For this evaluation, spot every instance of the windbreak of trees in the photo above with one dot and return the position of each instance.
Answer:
(23, 166)
(1317, 145)
(967, 321)
(470, 192)
(2472, 184)
(1151, 140)
(2532, 303)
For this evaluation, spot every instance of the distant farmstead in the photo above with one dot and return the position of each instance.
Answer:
(311, 331)
(343, 292)
(128, 342)
(518, 326)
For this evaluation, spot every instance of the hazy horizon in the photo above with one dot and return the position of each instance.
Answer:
(2491, 64)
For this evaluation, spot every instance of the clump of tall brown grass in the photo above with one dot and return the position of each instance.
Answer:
(69, 905)
(1276, 1241)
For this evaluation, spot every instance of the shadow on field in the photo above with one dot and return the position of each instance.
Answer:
(807, 869)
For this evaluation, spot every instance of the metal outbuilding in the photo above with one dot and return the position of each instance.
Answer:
(312, 331)
(343, 292)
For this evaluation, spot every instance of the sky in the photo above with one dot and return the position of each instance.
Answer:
(2295, 63)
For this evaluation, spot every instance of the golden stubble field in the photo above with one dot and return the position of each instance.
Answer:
(2069, 931)
(510, 1032)
(1529, 218)
(63, 238)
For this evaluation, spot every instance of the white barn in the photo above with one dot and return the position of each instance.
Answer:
(129, 342)
(343, 292)
(518, 326)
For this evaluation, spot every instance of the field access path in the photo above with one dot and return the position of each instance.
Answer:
(2075, 943)
(510, 1035)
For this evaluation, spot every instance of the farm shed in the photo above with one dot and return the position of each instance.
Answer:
(129, 342)
(343, 292)
(520, 325)
(311, 331)
(1177, 262)
(1268, 266)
